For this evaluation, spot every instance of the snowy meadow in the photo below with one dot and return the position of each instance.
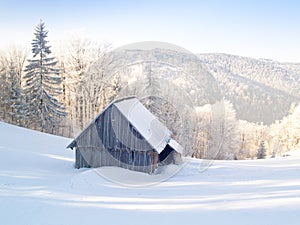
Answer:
(39, 185)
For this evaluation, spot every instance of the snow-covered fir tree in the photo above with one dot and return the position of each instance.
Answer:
(4, 87)
(43, 84)
(16, 98)
(261, 152)
(152, 88)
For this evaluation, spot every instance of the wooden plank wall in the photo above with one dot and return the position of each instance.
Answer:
(110, 142)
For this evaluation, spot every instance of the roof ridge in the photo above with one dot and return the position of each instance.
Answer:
(122, 99)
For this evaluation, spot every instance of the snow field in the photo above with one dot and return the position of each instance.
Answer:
(39, 185)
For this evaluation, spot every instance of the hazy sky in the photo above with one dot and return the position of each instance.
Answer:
(255, 28)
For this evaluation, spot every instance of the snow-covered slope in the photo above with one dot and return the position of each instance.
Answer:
(260, 90)
(39, 185)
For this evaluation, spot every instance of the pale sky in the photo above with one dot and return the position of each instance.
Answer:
(253, 28)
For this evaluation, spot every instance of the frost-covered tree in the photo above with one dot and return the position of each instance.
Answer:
(85, 86)
(16, 99)
(96, 90)
(261, 152)
(217, 135)
(43, 84)
(203, 136)
(4, 95)
(295, 128)
(152, 85)
(225, 130)
(115, 87)
(250, 134)
(286, 133)
(17, 55)
(11, 65)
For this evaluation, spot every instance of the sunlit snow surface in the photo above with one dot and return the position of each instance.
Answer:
(39, 185)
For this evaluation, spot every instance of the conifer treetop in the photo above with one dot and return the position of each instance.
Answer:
(39, 43)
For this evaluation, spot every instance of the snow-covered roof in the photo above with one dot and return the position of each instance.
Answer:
(145, 123)
(148, 125)
(177, 147)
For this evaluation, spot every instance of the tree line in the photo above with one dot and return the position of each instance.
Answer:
(62, 94)
(53, 94)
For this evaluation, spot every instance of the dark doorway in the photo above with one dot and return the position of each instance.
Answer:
(168, 149)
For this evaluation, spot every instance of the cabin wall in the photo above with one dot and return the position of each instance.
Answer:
(137, 161)
(177, 158)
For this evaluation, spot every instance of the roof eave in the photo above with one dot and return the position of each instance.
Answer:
(72, 145)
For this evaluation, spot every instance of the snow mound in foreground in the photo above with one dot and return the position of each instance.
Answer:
(125, 177)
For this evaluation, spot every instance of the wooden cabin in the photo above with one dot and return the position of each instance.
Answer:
(127, 135)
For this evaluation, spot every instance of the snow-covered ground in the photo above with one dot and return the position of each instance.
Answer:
(39, 186)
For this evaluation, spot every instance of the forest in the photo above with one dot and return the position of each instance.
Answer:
(61, 90)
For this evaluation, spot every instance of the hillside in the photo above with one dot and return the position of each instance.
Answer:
(39, 185)
(261, 90)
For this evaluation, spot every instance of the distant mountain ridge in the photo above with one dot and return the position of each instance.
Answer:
(261, 90)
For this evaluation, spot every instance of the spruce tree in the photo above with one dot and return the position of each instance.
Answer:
(43, 84)
(16, 99)
(261, 152)
(152, 88)
(4, 94)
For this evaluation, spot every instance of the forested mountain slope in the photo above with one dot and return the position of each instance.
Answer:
(260, 90)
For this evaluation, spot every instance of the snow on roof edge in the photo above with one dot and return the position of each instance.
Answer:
(176, 146)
